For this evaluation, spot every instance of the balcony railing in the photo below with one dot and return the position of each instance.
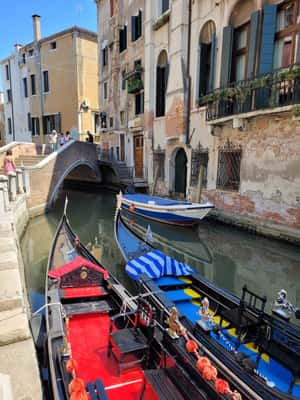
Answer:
(277, 89)
(134, 78)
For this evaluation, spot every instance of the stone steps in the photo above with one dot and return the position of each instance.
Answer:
(13, 326)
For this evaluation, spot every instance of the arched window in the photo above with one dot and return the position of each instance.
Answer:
(207, 57)
(161, 83)
(240, 39)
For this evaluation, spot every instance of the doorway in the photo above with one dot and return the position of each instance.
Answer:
(139, 155)
(180, 172)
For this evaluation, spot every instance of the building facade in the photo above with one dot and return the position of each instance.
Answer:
(121, 82)
(221, 92)
(2, 120)
(50, 84)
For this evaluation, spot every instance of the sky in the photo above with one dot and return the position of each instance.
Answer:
(56, 15)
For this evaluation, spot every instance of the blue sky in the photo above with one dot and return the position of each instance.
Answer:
(56, 15)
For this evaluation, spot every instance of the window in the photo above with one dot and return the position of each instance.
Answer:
(159, 163)
(199, 158)
(207, 57)
(9, 126)
(35, 126)
(240, 52)
(96, 123)
(112, 7)
(29, 122)
(123, 79)
(33, 88)
(139, 103)
(111, 122)
(164, 4)
(53, 46)
(8, 93)
(105, 56)
(7, 72)
(136, 26)
(123, 38)
(122, 118)
(285, 37)
(51, 122)
(24, 58)
(161, 84)
(46, 81)
(105, 90)
(25, 88)
(103, 120)
(30, 53)
(229, 165)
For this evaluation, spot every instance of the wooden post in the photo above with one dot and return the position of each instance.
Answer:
(200, 181)
(155, 179)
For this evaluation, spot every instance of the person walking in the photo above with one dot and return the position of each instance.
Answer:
(90, 137)
(9, 164)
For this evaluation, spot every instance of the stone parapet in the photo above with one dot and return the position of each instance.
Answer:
(19, 373)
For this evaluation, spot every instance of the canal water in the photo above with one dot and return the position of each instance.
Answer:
(228, 256)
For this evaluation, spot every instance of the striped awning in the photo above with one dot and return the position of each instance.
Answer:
(156, 264)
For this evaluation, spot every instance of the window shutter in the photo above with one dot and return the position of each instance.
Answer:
(202, 69)
(298, 49)
(267, 39)
(125, 37)
(213, 55)
(254, 27)
(226, 55)
(57, 122)
(159, 94)
(37, 126)
(29, 122)
(133, 29)
(140, 24)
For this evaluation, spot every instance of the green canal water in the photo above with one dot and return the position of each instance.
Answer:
(228, 256)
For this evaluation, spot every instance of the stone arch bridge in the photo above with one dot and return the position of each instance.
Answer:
(45, 171)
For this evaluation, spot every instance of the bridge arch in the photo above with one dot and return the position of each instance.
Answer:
(91, 165)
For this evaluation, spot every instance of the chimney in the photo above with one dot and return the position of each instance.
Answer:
(36, 27)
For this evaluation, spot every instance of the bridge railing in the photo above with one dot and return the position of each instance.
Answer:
(12, 185)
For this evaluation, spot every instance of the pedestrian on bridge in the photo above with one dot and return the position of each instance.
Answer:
(53, 139)
(9, 164)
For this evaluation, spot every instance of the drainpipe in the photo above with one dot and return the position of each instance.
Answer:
(188, 109)
(12, 101)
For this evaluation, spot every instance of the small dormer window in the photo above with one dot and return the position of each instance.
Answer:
(30, 53)
(53, 46)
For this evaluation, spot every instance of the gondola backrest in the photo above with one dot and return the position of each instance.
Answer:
(253, 301)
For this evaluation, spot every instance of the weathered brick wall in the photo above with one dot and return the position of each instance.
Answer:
(270, 171)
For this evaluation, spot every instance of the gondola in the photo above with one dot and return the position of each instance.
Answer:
(166, 210)
(102, 343)
(262, 349)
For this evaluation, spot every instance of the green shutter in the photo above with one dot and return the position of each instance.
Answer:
(133, 29)
(267, 39)
(254, 27)
(226, 55)
(213, 55)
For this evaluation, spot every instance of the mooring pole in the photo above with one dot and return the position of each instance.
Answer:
(155, 180)
(200, 184)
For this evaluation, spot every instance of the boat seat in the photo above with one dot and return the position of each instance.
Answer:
(240, 317)
(88, 307)
(169, 281)
(80, 292)
(181, 295)
(96, 390)
(162, 384)
(129, 345)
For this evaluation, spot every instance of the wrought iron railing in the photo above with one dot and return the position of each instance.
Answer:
(277, 89)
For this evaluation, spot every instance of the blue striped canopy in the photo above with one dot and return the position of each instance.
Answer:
(156, 264)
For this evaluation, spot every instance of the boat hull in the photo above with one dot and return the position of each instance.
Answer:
(184, 217)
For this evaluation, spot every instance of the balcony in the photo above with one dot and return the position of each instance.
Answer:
(135, 82)
(277, 89)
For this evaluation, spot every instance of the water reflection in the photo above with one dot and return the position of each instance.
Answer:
(225, 255)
